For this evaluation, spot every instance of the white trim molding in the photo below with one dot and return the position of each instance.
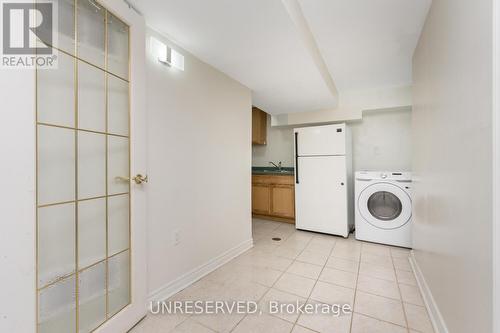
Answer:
(194, 275)
(432, 308)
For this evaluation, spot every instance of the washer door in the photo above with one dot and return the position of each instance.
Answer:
(385, 206)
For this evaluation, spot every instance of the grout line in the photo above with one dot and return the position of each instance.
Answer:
(382, 320)
(372, 293)
(307, 328)
(293, 260)
(356, 290)
(308, 299)
(272, 286)
(316, 282)
(258, 301)
(400, 294)
(282, 273)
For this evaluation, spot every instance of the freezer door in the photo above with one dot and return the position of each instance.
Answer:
(321, 195)
(321, 140)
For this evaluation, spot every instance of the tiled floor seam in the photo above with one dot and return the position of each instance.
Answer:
(315, 283)
(310, 329)
(340, 269)
(293, 260)
(384, 321)
(201, 324)
(269, 288)
(401, 295)
(258, 301)
(302, 243)
(355, 290)
(379, 295)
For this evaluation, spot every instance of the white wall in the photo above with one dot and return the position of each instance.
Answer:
(199, 168)
(382, 141)
(452, 161)
(351, 106)
(279, 147)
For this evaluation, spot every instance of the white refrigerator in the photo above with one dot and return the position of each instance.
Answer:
(323, 179)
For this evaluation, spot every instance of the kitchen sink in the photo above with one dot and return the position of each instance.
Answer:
(276, 171)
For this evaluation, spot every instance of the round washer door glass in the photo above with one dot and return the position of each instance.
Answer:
(384, 206)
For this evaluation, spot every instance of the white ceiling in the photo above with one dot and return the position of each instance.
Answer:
(367, 43)
(364, 43)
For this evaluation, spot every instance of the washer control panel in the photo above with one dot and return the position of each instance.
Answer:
(384, 175)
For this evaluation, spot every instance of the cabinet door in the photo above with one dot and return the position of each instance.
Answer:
(283, 201)
(261, 199)
(259, 126)
(255, 126)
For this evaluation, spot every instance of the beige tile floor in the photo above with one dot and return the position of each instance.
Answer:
(375, 280)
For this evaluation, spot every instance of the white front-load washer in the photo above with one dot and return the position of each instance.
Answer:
(383, 207)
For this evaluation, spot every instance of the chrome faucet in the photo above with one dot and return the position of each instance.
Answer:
(278, 166)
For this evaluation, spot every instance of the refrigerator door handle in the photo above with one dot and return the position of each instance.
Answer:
(296, 158)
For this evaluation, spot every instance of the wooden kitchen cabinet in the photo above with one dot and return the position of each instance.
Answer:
(259, 126)
(283, 201)
(273, 196)
(261, 199)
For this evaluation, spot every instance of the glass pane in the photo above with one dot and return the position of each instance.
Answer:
(119, 282)
(384, 206)
(66, 25)
(118, 223)
(91, 165)
(83, 157)
(92, 297)
(91, 98)
(91, 232)
(57, 307)
(118, 105)
(56, 242)
(118, 160)
(56, 165)
(57, 85)
(118, 33)
(91, 32)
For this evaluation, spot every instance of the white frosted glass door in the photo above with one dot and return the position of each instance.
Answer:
(83, 174)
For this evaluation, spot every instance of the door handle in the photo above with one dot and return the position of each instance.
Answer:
(138, 179)
(296, 158)
(122, 179)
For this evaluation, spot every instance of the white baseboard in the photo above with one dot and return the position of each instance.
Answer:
(435, 315)
(194, 275)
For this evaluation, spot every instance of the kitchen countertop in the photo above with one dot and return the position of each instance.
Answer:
(285, 171)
